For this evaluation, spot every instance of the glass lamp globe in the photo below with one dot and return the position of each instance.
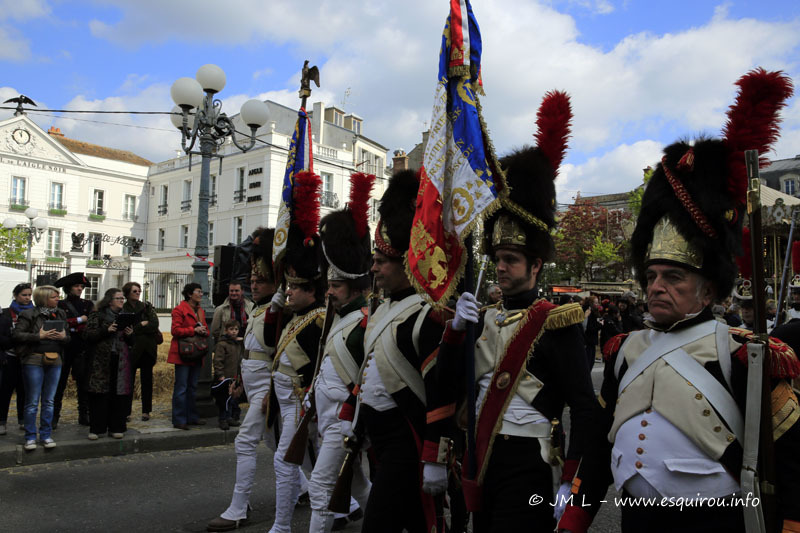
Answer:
(9, 223)
(211, 78)
(254, 113)
(186, 92)
(40, 224)
(31, 213)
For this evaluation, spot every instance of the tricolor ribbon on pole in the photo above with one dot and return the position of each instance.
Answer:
(299, 159)
(200, 258)
(460, 179)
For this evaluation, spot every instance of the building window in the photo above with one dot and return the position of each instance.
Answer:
(337, 118)
(184, 236)
(56, 196)
(162, 206)
(212, 192)
(18, 191)
(96, 245)
(790, 187)
(357, 127)
(98, 202)
(238, 229)
(53, 243)
(129, 207)
(239, 192)
(328, 198)
(162, 236)
(90, 292)
(186, 201)
(210, 234)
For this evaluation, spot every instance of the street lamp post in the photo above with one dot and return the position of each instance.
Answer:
(211, 127)
(35, 228)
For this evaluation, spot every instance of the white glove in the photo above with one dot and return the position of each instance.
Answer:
(562, 498)
(307, 402)
(346, 429)
(466, 311)
(278, 300)
(434, 478)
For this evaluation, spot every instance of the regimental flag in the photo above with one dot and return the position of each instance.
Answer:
(460, 179)
(300, 159)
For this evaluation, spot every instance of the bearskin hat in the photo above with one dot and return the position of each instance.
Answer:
(344, 234)
(397, 207)
(694, 204)
(261, 254)
(527, 214)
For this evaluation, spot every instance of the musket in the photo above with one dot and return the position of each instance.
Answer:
(758, 466)
(340, 497)
(782, 292)
(297, 448)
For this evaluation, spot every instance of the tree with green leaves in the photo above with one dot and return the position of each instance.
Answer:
(13, 245)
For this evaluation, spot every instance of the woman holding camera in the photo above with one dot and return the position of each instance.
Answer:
(188, 325)
(11, 378)
(40, 337)
(109, 366)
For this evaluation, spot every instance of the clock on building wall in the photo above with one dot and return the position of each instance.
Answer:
(20, 140)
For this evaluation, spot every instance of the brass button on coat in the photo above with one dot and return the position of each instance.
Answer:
(639, 451)
(641, 436)
(644, 423)
(639, 464)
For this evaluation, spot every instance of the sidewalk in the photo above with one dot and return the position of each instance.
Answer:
(155, 435)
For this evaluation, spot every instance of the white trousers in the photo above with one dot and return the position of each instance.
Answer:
(329, 462)
(289, 478)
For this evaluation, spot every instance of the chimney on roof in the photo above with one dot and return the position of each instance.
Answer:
(400, 160)
(55, 132)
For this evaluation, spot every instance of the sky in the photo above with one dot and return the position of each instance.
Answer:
(641, 73)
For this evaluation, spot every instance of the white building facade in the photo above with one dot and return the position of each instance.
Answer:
(78, 188)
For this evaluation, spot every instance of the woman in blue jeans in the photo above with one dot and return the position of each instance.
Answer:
(188, 320)
(40, 350)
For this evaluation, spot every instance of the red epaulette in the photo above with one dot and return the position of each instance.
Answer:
(365, 312)
(441, 316)
(612, 345)
(783, 362)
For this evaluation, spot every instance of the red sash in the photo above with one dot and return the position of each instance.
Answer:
(503, 384)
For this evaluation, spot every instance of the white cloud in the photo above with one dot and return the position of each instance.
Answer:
(648, 86)
(13, 46)
(23, 9)
(619, 170)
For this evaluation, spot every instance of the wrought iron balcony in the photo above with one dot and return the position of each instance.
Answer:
(329, 199)
(186, 205)
(212, 200)
(239, 195)
(162, 209)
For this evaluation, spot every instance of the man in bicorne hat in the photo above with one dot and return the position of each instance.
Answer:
(530, 358)
(346, 260)
(672, 428)
(78, 310)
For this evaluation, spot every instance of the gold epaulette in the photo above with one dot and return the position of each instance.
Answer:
(320, 320)
(783, 363)
(563, 316)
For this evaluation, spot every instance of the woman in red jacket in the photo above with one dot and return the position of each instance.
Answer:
(188, 320)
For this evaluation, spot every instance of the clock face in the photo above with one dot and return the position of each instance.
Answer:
(21, 136)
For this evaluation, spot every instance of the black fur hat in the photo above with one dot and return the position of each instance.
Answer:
(397, 207)
(76, 278)
(694, 204)
(302, 258)
(527, 214)
(261, 253)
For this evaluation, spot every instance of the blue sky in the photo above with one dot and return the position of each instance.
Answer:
(641, 73)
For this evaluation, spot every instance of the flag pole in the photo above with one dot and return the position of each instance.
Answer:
(469, 361)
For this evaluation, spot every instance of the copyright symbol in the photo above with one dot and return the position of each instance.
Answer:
(535, 500)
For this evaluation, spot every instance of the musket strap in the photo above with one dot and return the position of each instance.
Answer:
(702, 380)
(753, 517)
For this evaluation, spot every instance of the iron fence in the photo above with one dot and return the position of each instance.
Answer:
(43, 273)
(163, 288)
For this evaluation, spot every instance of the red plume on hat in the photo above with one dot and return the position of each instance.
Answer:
(305, 208)
(753, 123)
(360, 188)
(553, 121)
(745, 261)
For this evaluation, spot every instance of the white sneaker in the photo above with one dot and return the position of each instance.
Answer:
(30, 445)
(49, 443)
(3, 429)
(117, 435)
(92, 436)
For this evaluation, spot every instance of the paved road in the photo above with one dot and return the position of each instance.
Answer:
(167, 491)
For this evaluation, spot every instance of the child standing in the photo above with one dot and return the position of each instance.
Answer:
(227, 357)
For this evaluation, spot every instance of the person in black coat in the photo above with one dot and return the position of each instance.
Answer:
(77, 310)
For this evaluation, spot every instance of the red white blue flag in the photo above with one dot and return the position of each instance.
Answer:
(299, 159)
(460, 179)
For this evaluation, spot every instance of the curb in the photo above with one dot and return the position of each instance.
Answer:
(70, 450)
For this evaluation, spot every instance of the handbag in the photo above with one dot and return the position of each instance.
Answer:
(159, 338)
(192, 349)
